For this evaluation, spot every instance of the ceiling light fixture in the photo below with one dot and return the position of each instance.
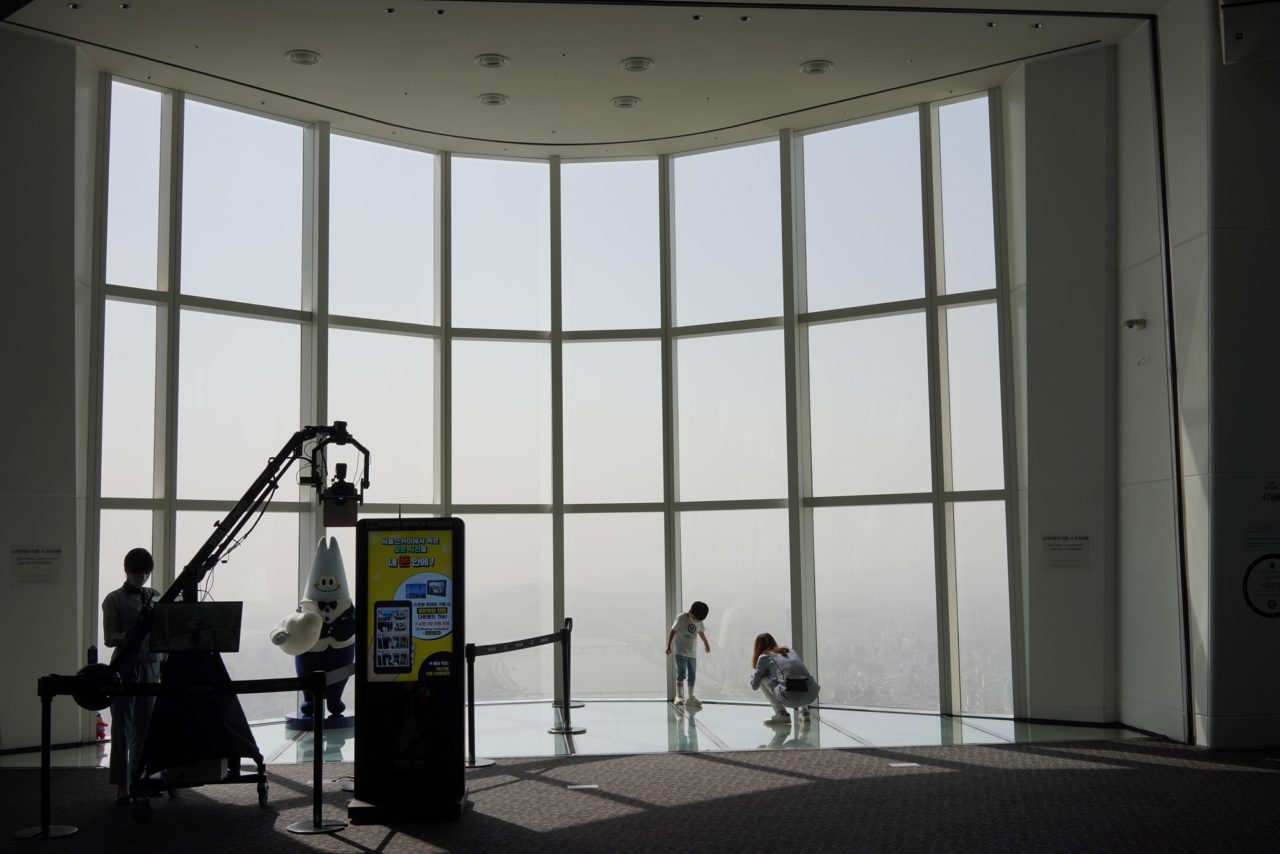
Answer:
(73, 6)
(817, 66)
(745, 18)
(1037, 26)
(302, 56)
(493, 99)
(637, 63)
(624, 102)
(491, 60)
(991, 25)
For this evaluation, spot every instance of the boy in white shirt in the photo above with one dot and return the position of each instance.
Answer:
(684, 630)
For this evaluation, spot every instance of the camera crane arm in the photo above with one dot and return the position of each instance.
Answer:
(259, 493)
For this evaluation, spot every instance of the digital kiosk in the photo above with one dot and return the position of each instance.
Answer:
(409, 670)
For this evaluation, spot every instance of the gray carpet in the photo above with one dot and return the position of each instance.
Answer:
(1133, 796)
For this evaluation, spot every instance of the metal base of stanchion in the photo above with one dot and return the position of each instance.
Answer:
(328, 825)
(573, 704)
(479, 763)
(55, 830)
(567, 730)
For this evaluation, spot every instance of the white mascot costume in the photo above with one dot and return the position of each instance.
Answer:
(321, 633)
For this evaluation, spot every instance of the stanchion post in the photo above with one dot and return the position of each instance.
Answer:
(45, 831)
(472, 762)
(568, 728)
(317, 823)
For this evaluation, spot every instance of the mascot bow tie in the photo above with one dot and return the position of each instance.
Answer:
(326, 606)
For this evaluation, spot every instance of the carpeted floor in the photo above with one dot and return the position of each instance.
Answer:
(1132, 796)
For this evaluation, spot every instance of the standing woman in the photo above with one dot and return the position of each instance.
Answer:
(783, 679)
(130, 716)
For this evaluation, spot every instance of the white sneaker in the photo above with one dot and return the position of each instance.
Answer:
(693, 702)
(679, 701)
(778, 719)
(804, 712)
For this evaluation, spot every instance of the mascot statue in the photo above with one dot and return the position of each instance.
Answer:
(321, 633)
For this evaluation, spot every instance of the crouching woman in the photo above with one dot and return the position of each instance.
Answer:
(783, 679)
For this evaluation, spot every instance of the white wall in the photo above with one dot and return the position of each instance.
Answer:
(1151, 688)
(1242, 703)
(44, 300)
(1059, 123)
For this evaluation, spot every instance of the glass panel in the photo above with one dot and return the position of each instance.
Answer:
(869, 406)
(737, 562)
(501, 244)
(501, 422)
(241, 207)
(509, 597)
(973, 367)
(964, 150)
(118, 532)
(864, 234)
(384, 387)
(612, 421)
(262, 573)
(877, 616)
(614, 583)
(237, 402)
(609, 245)
(133, 187)
(727, 235)
(128, 400)
(732, 425)
(381, 231)
(982, 600)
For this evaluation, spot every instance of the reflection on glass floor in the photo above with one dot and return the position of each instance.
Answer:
(653, 726)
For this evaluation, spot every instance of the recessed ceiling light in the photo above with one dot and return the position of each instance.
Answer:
(697, 17)
(745, 18)
(624, 102)
(391, 10)
(637, 63)
(302, 56)
(493, 99)
(991, 25)
(491, 60)
(817, 66)
(73, 6)
(1037, 26)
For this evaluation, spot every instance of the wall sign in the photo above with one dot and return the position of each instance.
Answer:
(1262, 585)
(35, 564)
(1065, 551)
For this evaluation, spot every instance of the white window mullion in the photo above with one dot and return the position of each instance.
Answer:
(313, 399)
(168, 323)
(1004, 318)
(804, 624)
(670, 398)
(939, 422)
(444, 316)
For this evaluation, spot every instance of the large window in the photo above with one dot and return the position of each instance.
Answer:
(496, 331)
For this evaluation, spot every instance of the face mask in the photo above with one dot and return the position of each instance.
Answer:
(137, 579)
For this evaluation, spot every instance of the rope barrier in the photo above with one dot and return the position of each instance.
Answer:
(472, 651)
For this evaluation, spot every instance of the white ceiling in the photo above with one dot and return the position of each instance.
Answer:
(410, 74)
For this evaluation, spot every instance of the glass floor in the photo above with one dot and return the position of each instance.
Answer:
(653, 726)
